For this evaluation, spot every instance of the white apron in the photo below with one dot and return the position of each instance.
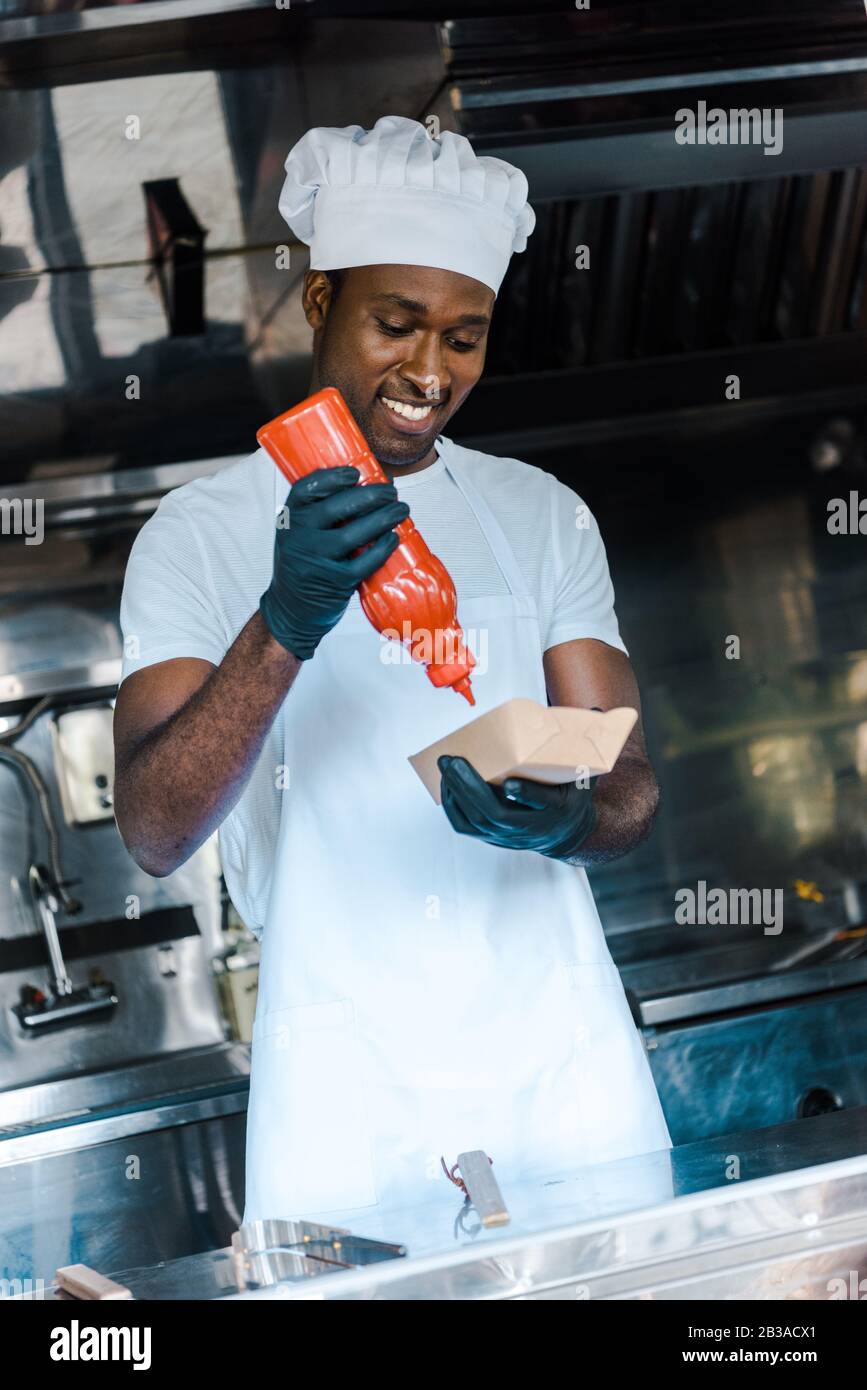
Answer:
(422, 993)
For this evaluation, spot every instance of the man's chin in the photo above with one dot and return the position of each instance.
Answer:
(399, 453)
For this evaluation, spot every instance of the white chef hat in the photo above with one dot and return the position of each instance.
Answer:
(395, 195)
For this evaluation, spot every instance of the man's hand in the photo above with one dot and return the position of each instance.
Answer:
(521, 814)
(315, 571)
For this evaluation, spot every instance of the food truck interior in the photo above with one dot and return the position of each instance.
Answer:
(683, 344)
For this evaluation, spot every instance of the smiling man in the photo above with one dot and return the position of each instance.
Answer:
(374, 307)
(433, 979)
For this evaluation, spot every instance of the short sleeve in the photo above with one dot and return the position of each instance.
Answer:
(584, 595)
(168, 607)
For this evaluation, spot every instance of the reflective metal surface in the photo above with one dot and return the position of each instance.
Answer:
(159, 1011)
(772, 1237)
(751, 1217)
(768, 1066)
(145, 1197)
(94, 1098)
(89, 371)
(37, 18)
(156, 1013)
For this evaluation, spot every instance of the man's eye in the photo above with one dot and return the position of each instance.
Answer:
(394, 330)
(460, 345)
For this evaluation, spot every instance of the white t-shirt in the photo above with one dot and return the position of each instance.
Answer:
(199, 565)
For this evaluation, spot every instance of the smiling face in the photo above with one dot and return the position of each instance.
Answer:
(404, 345)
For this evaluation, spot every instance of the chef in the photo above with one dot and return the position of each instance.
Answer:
(432, 979)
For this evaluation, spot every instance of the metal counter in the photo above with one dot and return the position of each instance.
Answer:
(137, 1166)
(779, 1213)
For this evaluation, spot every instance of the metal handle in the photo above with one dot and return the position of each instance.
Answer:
(46, 905)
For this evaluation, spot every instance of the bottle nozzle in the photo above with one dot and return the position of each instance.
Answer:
(463, 687)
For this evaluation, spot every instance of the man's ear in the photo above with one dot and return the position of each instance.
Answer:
(316, 298)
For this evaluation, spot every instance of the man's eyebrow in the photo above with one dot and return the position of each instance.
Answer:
(416, 306)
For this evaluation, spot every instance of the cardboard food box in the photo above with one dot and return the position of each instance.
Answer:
(522, 738)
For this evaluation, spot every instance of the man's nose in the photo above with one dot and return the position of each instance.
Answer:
(426, 369)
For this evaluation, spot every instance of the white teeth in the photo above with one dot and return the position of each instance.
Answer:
(410, 412)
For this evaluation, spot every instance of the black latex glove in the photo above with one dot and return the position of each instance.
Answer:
(519, 815)
(315, 573)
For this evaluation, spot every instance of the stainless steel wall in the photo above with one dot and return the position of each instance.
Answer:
(80, 310)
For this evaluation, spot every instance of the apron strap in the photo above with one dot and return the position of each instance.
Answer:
(491, 529)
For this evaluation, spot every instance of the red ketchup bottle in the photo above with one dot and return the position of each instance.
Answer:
(412, 594)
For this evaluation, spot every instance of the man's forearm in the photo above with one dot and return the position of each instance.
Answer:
(626, 800)
(180, 782)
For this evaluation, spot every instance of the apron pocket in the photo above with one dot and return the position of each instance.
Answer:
(309, 1144)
